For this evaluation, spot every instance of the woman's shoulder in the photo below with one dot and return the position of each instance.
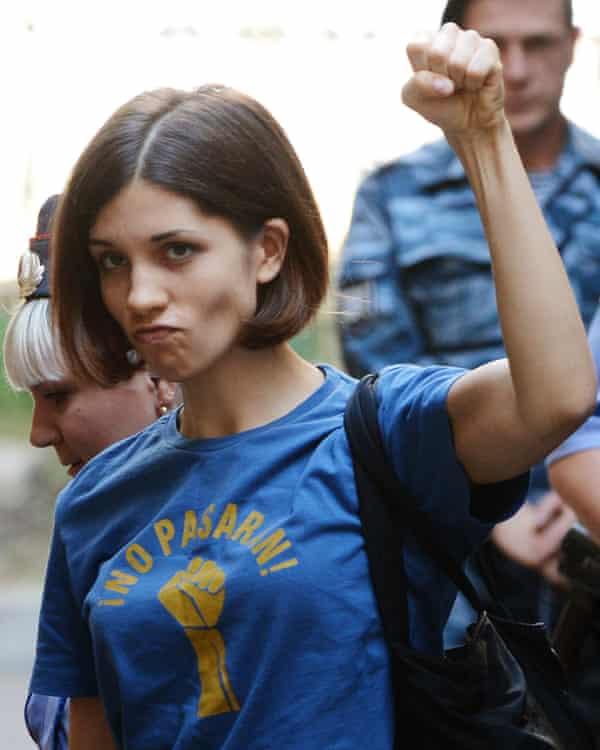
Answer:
(401, 388)
(413, 414)
(409, 385)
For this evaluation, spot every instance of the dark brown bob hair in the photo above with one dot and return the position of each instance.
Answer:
(224, 151)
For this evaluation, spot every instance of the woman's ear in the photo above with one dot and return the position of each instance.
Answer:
(273, 242)
(167, 395)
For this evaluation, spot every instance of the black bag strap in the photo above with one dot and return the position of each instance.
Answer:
(382, 525)
(386, 507)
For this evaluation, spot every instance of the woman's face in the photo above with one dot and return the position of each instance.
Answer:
(180, 283)
(79, 421)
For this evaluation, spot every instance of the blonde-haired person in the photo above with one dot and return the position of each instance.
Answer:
(78, 419)
(208, 584)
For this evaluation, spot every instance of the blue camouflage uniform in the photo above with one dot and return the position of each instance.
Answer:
(415, 277)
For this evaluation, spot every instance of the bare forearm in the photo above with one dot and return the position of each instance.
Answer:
(550, 362)
(507, 414)
(88, 727)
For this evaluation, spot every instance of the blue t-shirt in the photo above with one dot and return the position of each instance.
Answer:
(216, 592)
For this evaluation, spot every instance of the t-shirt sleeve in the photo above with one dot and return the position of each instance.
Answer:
(47, 719)
(414, 420)
(64, 664)
(586, 437)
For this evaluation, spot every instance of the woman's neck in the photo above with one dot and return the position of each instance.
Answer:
(261, 385)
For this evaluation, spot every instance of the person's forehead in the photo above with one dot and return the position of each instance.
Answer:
(515, 17)
(143, 208)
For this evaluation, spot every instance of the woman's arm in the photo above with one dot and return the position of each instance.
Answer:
(88, 728)
(576, 478)
(506, 415)
(574, 468)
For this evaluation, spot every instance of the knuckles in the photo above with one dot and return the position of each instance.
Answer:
(446, 49)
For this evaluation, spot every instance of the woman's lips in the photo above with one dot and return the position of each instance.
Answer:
(74, 468)
(153, 334)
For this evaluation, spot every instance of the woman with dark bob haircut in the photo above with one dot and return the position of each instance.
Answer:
(227, 154)
(208, 584)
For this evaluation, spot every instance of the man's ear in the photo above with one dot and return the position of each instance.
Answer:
(575, 36)
(273, 242)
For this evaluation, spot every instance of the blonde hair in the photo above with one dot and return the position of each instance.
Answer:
(31, 350)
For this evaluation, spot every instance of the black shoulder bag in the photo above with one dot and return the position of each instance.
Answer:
(505, 688)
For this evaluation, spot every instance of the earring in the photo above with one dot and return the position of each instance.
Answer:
(163, 410)
(133, 357)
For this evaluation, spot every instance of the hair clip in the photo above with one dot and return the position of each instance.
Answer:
(30, 274)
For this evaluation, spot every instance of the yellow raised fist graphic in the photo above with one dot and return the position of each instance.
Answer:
(195, 598)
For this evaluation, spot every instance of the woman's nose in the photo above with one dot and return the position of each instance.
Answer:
(44, 430)
(146, 292)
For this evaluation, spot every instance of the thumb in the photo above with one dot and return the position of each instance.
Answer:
(493, 86)
(426, 85)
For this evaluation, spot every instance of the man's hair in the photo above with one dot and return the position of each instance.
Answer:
(226, 153)
(456, 10)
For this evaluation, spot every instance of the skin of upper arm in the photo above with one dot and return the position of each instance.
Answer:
(88, 727)
(576, 478)
(492, 441)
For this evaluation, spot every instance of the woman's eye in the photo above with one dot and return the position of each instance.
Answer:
(110, 261)
(58, 397)
(179, 251)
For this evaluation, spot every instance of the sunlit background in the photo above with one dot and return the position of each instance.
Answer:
(330, 70)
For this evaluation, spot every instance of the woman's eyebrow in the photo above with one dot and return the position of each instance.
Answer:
(153, 238)
(171, 233)
(98, 241)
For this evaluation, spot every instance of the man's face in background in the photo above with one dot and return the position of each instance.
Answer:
(536, 46)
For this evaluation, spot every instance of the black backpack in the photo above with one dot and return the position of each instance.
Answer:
(505, 688)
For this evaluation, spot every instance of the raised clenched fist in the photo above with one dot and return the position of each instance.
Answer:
(457, 81)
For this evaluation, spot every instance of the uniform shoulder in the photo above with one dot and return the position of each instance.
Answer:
(428, 163)
(586, 145)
